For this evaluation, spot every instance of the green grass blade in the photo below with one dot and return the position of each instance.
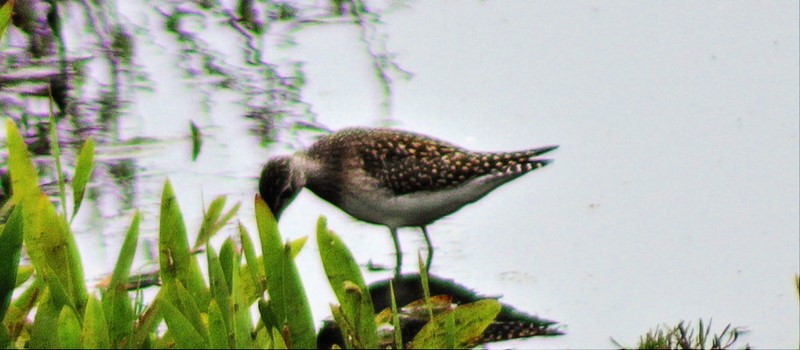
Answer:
(24, 273)
(423, 274)
(221, 295)
(468, 323)
(56, 151)
(286, 292)
(116, 302)
(277, 339)
(10, 247)
(450, 331)
(255, 267)
(345, 327)
(147, 323)
(268, 315)
(243, 324)
(214, 220)
(95, 329)
(181, 329)
(69, 329)
(45, 321)
(217, 331)
(24, 180)
(180, 298)
(398, 334)
(296, 246)
(228, 261)
(209, 219)
(83, 171)
(197, 140)
(5, 338)
(348, 285)
(53, 252)
(175, 261)
(17, 315)
(5, 17)
(48, 241)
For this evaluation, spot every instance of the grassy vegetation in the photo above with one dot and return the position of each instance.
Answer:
(684, 337)
(190, 309)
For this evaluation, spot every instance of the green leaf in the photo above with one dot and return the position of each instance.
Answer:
(217, 331)
(226, 256)
(116, 302)
(197, 139)
(345, 327)
(95, 330)
(48, 241)
(5, 340)
(148, 322)
(297, 245)
(17, 315)
(56, 152)
(398, 334)
(348, 285)
(221, 296)
(10, 247)
(286, 292)
(69, 329)
(243, 324)
(183, 332)
(268, 315)
(5, 17)
(24, 180)
(211, 215)
(468, 323)
(180, 298)
(254, 267)
(83, 171)
(45, 322)
(24, 273)
(423, 274)
(175, 261)
(277, 339)
(53, 252)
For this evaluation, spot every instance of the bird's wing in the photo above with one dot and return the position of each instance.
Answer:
(407, 163)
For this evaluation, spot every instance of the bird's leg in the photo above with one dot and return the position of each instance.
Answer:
(397, 251)
(430, 249)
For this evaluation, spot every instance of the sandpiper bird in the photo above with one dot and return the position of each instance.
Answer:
(393, 178)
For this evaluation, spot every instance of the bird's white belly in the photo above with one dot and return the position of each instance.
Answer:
(413, 209)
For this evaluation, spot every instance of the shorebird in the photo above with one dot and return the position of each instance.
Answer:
(393, 178)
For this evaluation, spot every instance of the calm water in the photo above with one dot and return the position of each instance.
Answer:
(674, 195)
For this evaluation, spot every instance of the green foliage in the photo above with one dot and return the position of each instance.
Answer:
(10, 245)
(24, 182)
(349, 287)
(94, 334)
(196, 315)
(286, 292)
(197, 139)
(214, 220)
(83, 171)
(175, 260)
(48, 241)
(683, 336)
(5, 17)
(69, 329)
(466, 323)
(116, 302)
(398, 336)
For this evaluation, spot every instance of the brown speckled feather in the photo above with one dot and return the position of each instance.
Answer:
(405, 162)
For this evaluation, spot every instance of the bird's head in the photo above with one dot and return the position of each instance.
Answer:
(280, 183)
